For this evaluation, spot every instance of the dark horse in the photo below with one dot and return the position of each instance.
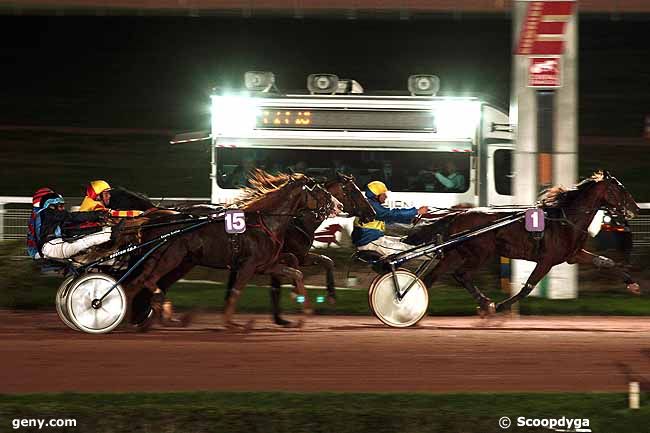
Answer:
(570, 213)
(300, 237)
(257, 250)
(297, 242)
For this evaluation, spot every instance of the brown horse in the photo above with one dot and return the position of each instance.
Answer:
(300, 237)
(570, 213)
(268, 211)
(298, 240)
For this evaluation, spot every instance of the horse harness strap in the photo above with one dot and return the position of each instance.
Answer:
(262, 225)
(296, 223)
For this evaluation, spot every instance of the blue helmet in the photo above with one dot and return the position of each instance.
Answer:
(50, 199)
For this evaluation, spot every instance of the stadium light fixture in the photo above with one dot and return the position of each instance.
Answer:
(233, 114)
(456, 118)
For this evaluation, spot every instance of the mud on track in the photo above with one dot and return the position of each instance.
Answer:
(333, 353)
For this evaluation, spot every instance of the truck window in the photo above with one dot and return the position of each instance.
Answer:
(412, 171)
(503, 171)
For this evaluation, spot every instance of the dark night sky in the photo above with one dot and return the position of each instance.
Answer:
(156, 72)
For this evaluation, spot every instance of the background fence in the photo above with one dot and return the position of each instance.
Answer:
(15, 213)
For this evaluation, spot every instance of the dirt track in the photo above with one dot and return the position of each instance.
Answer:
(39, 354)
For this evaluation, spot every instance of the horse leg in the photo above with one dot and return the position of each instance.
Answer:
(275, 302)
(535, 277)
(167, 307)
(486, 305)
(328, 264)
(451, 260)
(586, 258)
(153, 270)
(232, 277)
(281, 270)
(240, 278)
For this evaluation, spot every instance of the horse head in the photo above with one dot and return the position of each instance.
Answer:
(295, 191)
(617, 199)
(354, 201)
(318, 200)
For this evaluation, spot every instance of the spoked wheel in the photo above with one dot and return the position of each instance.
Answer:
(386, 305)
(61, 302)
(85, 309)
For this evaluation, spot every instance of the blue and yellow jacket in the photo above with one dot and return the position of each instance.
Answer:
(365, 233)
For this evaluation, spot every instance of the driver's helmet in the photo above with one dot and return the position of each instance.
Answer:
(96, 187)
(50, 199)
(377, 187)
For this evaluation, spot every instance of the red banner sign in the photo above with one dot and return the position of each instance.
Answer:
(544, 72)
(543, 31)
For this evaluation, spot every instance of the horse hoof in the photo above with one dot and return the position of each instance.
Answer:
(308, 311)
(186, 319)
(282, 322)
(331, 299)
(486, 310)
(175, 323)
(634, 288)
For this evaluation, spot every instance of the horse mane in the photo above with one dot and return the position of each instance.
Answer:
(560, 196)
(263, 190)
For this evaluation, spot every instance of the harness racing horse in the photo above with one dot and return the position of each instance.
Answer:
(268, 212)
(300, 237)
(564, 237)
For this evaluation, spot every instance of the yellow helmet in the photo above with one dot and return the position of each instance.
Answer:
(96, 187)
(377, 187)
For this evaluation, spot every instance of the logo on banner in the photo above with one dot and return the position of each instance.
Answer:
(544, 72)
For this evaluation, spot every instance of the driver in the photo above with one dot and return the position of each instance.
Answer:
(50, 222)
(370, 236)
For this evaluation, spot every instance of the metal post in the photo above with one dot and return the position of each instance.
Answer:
(2, 221)
(634, 395)
(545, 120)
(563, 279)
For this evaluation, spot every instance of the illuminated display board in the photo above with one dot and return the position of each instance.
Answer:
(362, 120)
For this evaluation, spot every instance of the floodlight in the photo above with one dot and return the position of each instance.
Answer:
(322, 83)
(257, 81)
(233, 114)
(456, 118)
(426, 85)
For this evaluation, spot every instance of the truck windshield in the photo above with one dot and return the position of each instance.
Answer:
(403, 171)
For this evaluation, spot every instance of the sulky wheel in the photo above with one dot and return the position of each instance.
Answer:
(394, 312)
(62, 304)
(87, 312)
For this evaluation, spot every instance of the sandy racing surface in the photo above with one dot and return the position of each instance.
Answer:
(330, 353)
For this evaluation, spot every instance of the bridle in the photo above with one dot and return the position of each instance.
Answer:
(347, 185)
(323, 208)
(621, 207)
